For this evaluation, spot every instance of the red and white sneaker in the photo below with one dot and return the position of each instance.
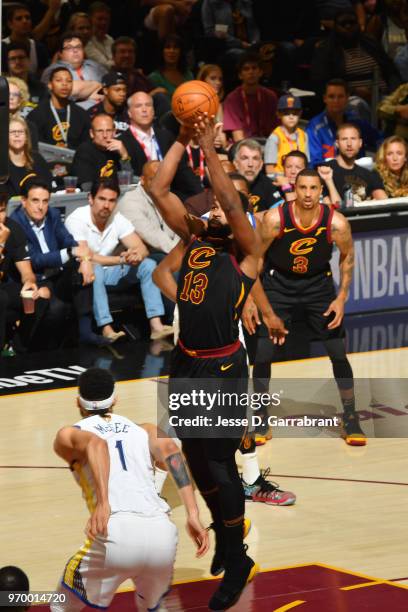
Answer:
(267, 492)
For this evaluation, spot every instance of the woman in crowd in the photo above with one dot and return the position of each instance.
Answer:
(173, 70)
(392, 165)
(19, 106)
(212, 74)
(23, 161)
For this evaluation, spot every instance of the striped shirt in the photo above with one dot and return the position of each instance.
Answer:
(360, 68)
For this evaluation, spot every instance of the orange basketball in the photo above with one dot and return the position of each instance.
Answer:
(192, 99)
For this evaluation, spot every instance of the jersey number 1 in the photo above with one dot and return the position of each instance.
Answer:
(119, 446)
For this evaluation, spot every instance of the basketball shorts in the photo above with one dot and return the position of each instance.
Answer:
(142, 549)
(313, 295)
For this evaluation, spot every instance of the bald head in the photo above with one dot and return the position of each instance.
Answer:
(141, 110)
(149, 172)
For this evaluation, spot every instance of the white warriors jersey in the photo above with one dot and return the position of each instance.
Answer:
(131, 476)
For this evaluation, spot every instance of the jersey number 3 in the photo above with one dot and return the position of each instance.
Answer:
(194, 287)
(300, 264)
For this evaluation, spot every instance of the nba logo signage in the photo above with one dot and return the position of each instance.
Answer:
(380, 278)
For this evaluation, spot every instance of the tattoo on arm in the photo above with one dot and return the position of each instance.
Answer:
(178, 470)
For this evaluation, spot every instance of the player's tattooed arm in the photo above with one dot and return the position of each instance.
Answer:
(178, 469)
(341, 235)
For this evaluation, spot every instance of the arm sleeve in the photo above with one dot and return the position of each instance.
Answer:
(271, 149)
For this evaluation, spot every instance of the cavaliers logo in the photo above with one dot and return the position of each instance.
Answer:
(290, 102)
(107, 169)
(253, 202)
(199, 257)
(56, 133)
(302, 246)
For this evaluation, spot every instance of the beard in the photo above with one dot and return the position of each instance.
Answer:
(217, 231)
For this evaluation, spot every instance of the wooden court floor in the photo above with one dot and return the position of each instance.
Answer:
(351, 502)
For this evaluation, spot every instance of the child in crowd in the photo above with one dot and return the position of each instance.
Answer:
(287, 137)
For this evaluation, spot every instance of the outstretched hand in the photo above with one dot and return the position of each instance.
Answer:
(205, 132)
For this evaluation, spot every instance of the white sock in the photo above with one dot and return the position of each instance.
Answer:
(250, 467)
(159, 479)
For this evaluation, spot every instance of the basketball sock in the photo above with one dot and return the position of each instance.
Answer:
(250, 468)
(159, 479)
(349, 405)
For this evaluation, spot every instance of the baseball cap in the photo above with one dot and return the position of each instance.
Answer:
(289, 102)
(113, 78)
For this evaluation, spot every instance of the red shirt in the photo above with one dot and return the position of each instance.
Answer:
(255, 114)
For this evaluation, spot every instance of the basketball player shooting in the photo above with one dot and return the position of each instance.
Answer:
(298, 239)
(218, 263)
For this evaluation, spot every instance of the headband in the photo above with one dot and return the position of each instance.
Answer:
(97, 404)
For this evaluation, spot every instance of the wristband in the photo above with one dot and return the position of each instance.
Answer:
(287, 187)
(86, 258)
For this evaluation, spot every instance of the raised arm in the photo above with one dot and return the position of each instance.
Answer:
(164, 450)
(226, 194)
(73, 444)
(341, 235)
(171, 207)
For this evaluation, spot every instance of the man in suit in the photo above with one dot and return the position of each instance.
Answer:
(57, 260)
(145, 141)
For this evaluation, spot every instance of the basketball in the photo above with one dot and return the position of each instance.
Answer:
(192, 99)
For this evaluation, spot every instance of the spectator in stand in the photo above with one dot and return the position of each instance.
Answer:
(19, 106)
(59, 121)
(58, 261)
(248, 161)
(362, 184)
(250, 110)
(212, 74)
(394, 22)
(293, 163)
(166, 16)
(87, 74)
(114, 101)
(173, 70)
(24, 163)
(46, 16)
(102, 156)
(21, 28)
(14, 579)
(17, 275)
(99, 47)
(124, 52)
(18, 65)
(349, 54)
(137, 206)
(286, 137)
(147, 141)
(321, 130)
(392, 166)
(103, 231)
(401, 54)
(394, 109)
(80, 24)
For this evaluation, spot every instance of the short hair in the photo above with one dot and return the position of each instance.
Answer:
(296, 153)
(18, 46)
(96, 384)
(251, 144)
(58, 69)
(99, 7)
(310, 173)
(13, 578)
(98, 115)
(70, 35)
(123, 40)
(17, 7)
(35, 182)
(347, 126)
(337, 83)
(105, 182)
(249, 58)
(236, 176)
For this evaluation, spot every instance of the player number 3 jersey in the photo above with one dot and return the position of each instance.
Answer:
(131, 477)
(299, 251)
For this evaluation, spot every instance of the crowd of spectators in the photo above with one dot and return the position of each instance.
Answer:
(322, 84)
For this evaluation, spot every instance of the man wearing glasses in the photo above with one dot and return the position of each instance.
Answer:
(103, 156)
(87, 74)
(18, 65)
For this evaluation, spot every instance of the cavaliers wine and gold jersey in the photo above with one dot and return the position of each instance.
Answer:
(211, 292)
(298, 251)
